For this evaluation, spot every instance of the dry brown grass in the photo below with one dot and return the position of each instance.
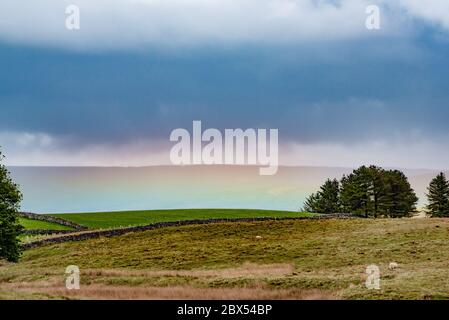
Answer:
(105, 292)
(53, 285)
(247, 270)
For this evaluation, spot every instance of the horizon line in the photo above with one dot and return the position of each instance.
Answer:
(216, 165)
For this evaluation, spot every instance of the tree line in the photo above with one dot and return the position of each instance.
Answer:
(376, 192)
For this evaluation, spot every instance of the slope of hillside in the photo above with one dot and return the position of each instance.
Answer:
(276, 259)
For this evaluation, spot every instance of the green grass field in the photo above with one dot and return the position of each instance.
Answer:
(97, 220)
(30, 224)
(292, 259)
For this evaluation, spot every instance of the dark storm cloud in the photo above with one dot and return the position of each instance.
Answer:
(346, 92)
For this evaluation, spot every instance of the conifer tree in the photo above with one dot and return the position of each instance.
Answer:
(362, 190)
(326, 200)
(312, 203)
(10, 228)
(330, 196)
(438, 196)
(398, 198)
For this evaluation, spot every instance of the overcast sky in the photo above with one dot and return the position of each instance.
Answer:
(111, 92)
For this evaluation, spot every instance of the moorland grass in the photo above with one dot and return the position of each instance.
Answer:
(330, 256)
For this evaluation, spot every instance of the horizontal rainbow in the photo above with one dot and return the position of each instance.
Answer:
(81, 189)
